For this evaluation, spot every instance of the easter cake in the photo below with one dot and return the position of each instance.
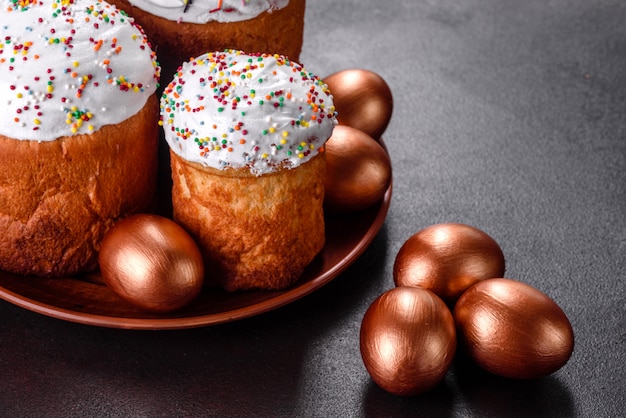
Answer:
(182, 29)
(246, 134)
(79, 132)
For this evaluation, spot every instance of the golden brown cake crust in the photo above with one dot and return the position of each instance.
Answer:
(278, 32)
(255, 232)
(59, 198)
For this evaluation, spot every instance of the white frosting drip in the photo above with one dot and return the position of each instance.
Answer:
(230, 109)
(203, 11)
(70, 67)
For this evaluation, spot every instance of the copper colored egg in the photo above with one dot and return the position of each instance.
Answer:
(407, 340)
(358, 171)
(513, 330)
(151, 262)
(363, 100)
(448, 258)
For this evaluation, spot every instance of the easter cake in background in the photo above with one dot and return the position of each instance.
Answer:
(182, 29)
(246, 134)
(79, 132)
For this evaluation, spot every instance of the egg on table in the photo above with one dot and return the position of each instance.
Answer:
(151, 262)
(407, 340)
(448, 258)
(513, 330)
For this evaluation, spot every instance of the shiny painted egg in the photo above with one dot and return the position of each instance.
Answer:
(448, 258)
(513, 330)
(358, 171)
(407, 340)
(363, 100)
(152, 263)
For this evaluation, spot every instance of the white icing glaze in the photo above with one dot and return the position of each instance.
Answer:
(203, 11)
(231, 109)
(70, 67)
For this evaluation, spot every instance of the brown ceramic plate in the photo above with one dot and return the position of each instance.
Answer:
(86, 300)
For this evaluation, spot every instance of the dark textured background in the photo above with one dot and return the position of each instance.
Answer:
(509, 116)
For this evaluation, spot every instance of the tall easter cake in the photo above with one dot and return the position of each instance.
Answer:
(79, 132)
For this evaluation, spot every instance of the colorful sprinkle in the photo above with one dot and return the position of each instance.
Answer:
(264, 119)
(55, 32)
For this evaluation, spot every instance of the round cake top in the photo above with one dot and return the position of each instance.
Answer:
(232, 109)
(203, 11)
(70, 67)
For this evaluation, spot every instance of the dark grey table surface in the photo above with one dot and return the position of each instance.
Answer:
(509, 116)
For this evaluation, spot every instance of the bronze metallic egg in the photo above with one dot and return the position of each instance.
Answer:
(363, 100)
(513, 330)
(448, 258)
(358, 170)
(407, 340)
(151, 262)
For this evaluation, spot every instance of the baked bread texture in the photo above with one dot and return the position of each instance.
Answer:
(182, 29)
(255, 232)
(79, 135)
(59, 198)
(246, 134)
